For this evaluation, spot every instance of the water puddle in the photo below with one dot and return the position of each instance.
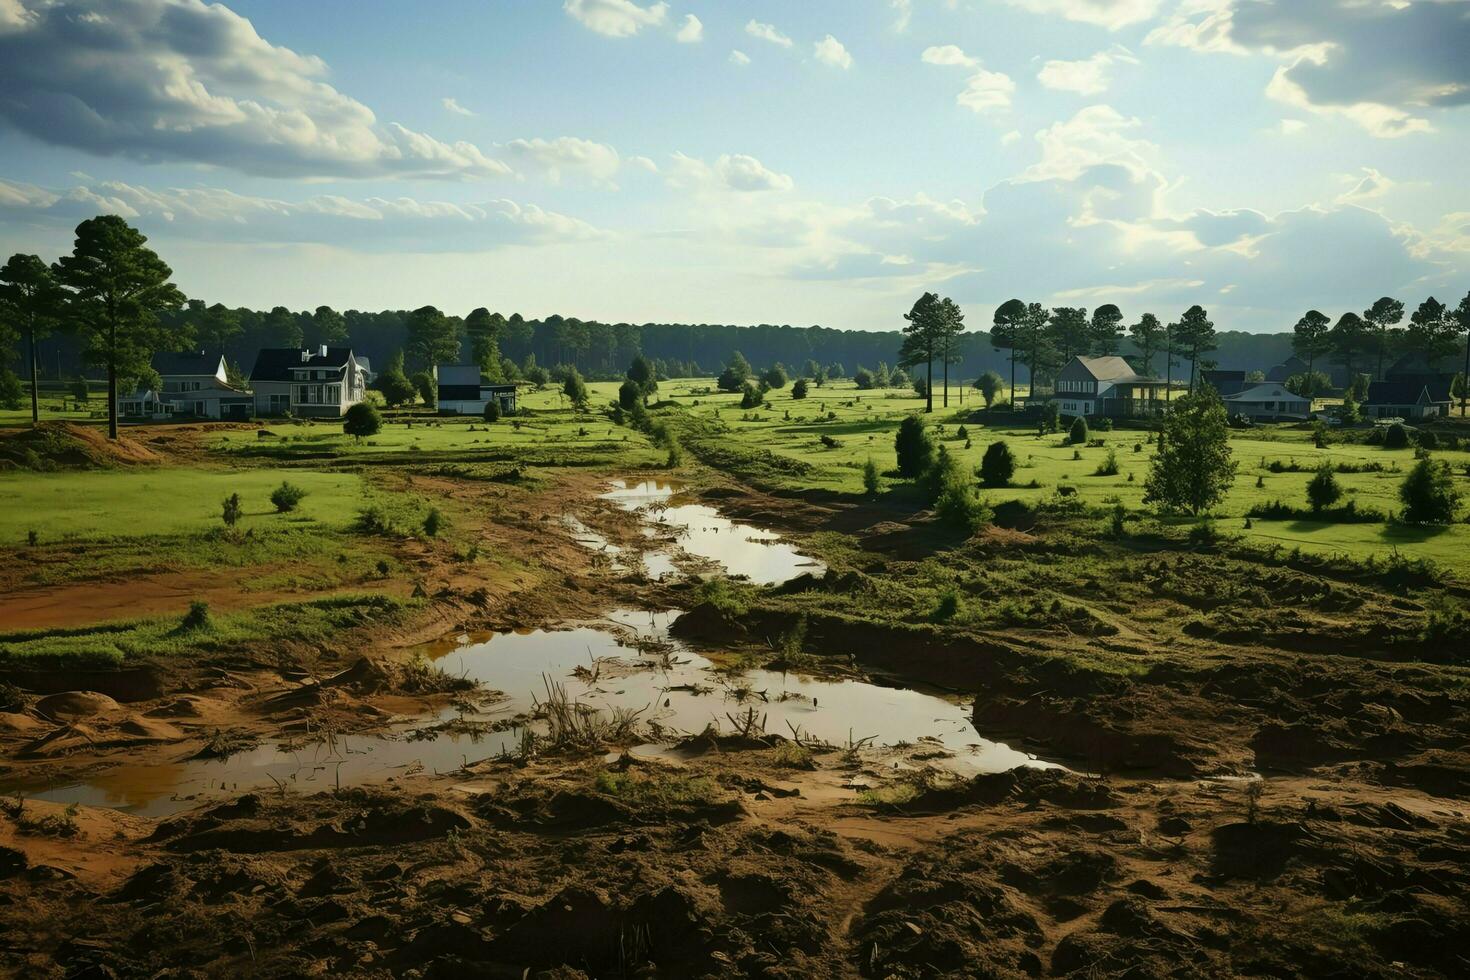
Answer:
(741, 549)
(626, 665)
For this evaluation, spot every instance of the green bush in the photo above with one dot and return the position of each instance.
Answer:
(232, 511)
(1429, 494)
(492, 410)
(798, 390)
(871, 484)
(1109, 465)
(287, 497)
(1428, 440)
(1324, 490)
(1396, 437)
(915, 448)
(998, 465)
(433, 521)
(1078, 435)
(362, 420)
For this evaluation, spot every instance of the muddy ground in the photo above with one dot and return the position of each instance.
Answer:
(1158, 854)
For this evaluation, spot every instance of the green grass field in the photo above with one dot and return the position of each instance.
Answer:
(136, 503)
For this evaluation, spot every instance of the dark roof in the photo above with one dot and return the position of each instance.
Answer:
(185, 362)
(1404, 392)
(275, 363)
(1215, 376)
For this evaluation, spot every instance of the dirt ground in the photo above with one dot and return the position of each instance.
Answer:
(1154, 856)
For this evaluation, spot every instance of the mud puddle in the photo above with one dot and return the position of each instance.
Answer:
(741, 549)
(626, 666)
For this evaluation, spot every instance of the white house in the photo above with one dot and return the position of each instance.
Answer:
(319, 383)
(1106, 386)
(192, 383)
(1268, 403)
(461, 392)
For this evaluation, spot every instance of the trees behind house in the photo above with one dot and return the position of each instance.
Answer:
(30, 308)
(1310, 340)
(1433, 332)
(118, 287)
(1192, 470)
(328, 328)
(1351, 342)
(1195, 337)
(482, 329)
(393, 383)
(1106, 329)
(1380, 338)
(1148, 336)
(432, 337)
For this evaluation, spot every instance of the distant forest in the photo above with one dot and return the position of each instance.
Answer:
(601, 349)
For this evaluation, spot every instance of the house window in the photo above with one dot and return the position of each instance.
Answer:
(334, 394)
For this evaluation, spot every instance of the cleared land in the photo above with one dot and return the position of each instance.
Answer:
(1163, 671)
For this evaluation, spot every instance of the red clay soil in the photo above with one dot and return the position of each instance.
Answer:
(72, 445)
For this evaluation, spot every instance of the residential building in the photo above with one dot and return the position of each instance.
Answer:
(1106, 386)
(1268, 403)
(461, 392)
(1408, 400)
(318, 383)
(193, 384)
(143, 405)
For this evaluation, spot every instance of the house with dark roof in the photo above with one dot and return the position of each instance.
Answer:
(1407, 400)
(192, 383)
(1225, 382)
(1419, 369)
(1106, 386)
(316, 383)
(461, 392)
(1268, 402)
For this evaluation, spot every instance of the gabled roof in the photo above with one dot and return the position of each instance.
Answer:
(454, 375)
(1268, 392)
(1404, 392)
(1110, 368)
(276, 363)
(187, 362)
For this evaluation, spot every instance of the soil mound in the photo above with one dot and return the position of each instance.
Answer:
(66, 445)
(70, 705)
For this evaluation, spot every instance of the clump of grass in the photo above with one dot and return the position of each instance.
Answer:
(889, 794)
(657, 789)
(1109, 465)
(197, 619)
(433, 522)
(223, 744)
(792, 755)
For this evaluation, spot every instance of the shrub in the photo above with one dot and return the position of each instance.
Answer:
(1078, 435)
(751, 396)
(286, 497)
(433, 520)
(362, 420)
(1429, 494)
(998, 465)
(1396, 437)
(492, 410)
(630, 393)
(374, 520)
(675, 455)
(871, 484)
(1109, 465)
(1324, 490)
(232, 511)
(12, 392)
(1105, 425)
(427, 388)
(197, 618)
(863, 378)
(798, 390)
(1428, 440)
(1204, 533)
(947, 607)
(915, 447)
(830, 442)
(775, 376)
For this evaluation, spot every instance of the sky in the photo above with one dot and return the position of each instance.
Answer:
(754, 162)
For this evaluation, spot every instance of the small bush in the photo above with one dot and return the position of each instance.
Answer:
(871, 484)
(433, 521)
(374, 520)
(492, 410)
(914, 446)
(998, 465)
(1204, 533)
(1429, 494)
(947, 607)
(287, 497)
(231, 510)
(830, 442)
(197, 618)
(1109, 465)
(1324, 490)
(798, 390)
(1396, 437)
(1078, 435)
(1428, 440)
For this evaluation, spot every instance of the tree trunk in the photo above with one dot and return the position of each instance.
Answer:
(1465, 378)
(112, 381)
(1013, 379)
(35, 401)
(946, 380)
(929, 393)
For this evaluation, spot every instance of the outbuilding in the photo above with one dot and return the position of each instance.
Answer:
(1268, 403)
(461, 392)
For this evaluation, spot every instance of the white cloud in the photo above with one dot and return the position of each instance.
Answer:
(1111, 14)
(829, 51)
(767, 32)
(986, 92)
(1290, 127)
(567, 154)
(1095, 135)
(1381, 65)
(453, 106)
(738, 172)
(181, 80)
(1089, 76)
(643, 163)
(739, 58)
(903, 13)
(363, 224)
(947, 54)
(1014, 136)
(616, 18)
(691, 31)
(1369, 185)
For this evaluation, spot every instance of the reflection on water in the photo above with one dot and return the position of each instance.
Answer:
(628, 662)
(741, 549)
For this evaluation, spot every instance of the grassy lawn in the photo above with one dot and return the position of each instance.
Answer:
(113, 504)
(863, 424)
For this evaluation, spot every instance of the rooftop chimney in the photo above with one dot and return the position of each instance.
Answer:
(323, 350)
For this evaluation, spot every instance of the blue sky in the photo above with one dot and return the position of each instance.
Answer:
(813, 162)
